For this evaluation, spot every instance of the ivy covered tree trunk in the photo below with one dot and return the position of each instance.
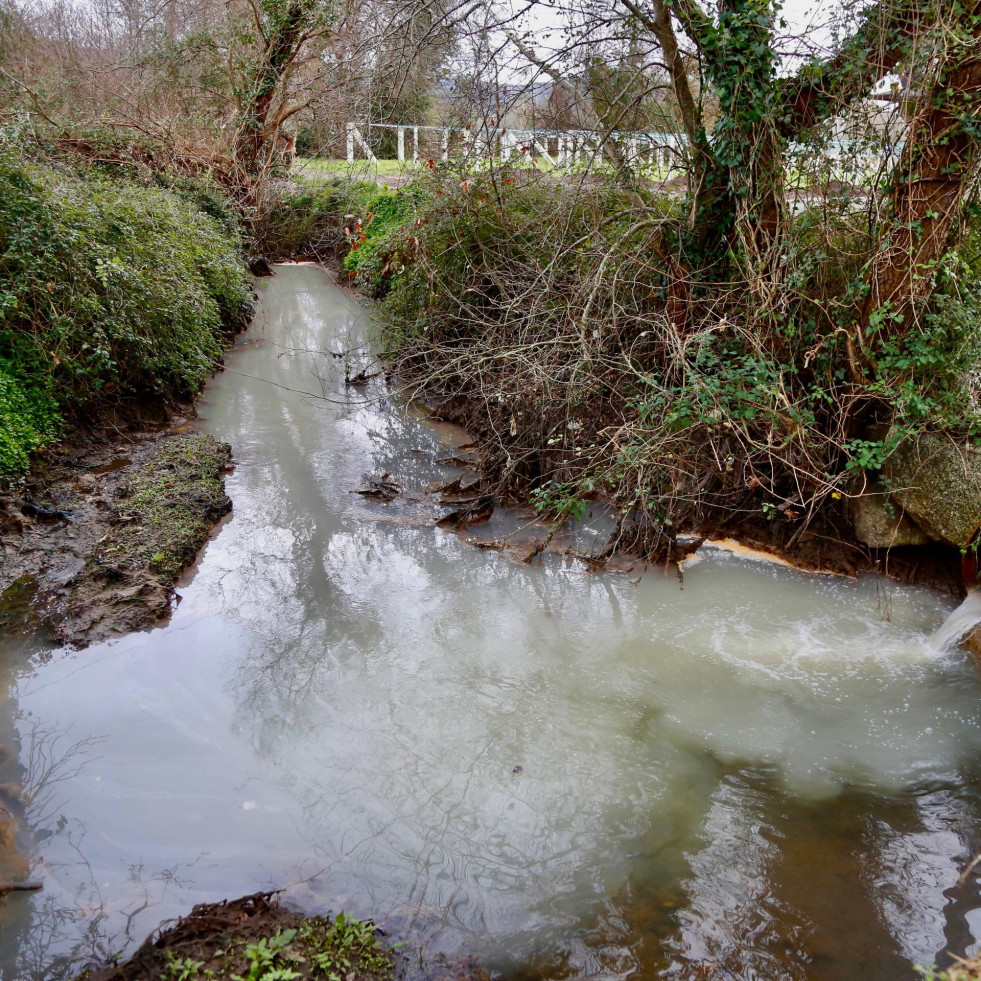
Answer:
(739, 200)
(738, 191)
(287, 25)
(938, 168)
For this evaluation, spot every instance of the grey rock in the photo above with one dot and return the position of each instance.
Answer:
(86, 484)
(881, 523)
(937, 481)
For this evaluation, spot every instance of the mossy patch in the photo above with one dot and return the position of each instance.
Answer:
(175, 500)
(161, 518)
(938, 481)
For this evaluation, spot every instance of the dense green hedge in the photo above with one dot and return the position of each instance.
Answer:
(108, 289)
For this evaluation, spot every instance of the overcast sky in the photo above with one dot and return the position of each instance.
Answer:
(802, 14)
(806, 20)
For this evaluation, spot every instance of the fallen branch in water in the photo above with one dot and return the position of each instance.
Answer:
(6, 887)
(968, 869)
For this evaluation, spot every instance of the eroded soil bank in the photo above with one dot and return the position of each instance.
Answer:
(95, 538)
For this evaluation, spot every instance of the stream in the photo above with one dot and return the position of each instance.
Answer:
(752, 773)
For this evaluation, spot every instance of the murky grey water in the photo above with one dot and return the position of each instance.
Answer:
(762, 775)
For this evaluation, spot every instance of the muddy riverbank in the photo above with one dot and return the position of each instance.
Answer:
(95, 538)
(824, 547)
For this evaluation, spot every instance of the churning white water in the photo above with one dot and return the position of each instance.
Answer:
(959, 624)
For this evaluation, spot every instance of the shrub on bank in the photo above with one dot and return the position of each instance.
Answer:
(380, 238)
(28, 418)
(299, 219)
(337, 218)
(108, 290)
(306, 218)
(553, 317)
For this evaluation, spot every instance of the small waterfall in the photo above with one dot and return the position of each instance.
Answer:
(960, 623)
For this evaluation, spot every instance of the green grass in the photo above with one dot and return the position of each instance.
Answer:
(321, 167)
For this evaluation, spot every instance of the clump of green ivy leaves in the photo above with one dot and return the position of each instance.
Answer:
(345, 944)
(562, 501)
(315, 948)
(262, 956)
(380, 239)
(29, 418)
(108, 289)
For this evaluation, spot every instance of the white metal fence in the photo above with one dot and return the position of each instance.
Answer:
(558, 148)
(835, 159)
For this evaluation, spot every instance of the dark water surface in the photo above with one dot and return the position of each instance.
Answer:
(764, 775)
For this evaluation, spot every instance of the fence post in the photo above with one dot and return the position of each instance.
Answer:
(401, 142)
(541, 144)
(354, 134)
